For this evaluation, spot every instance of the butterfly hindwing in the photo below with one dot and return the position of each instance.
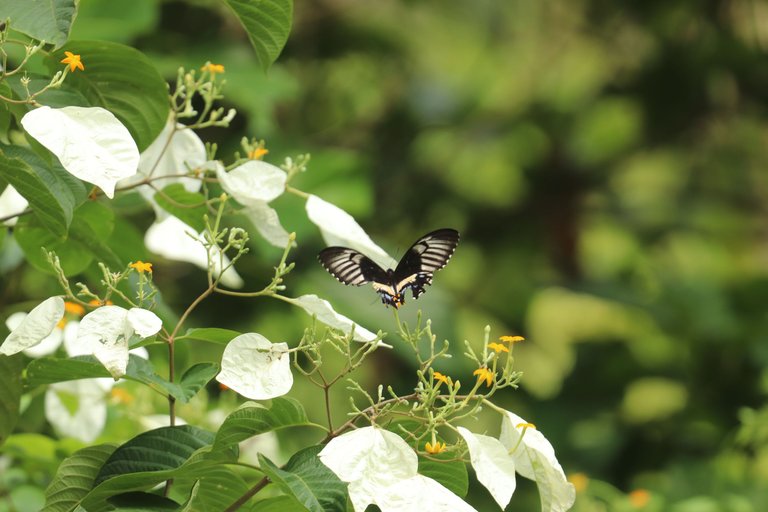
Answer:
(351, 267)
(427, 255)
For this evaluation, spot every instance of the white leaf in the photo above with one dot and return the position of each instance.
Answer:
(104, 332)
(370, 454)
(325, 313)
(419, 494)
(340, 228)
(253, 181)
(11, 203)
(90, 415)
(171, 239)
(535, 459)
(267, 223)
(255, 367)
(144, 322)
(494, 467)
(90, 142)
(34, 327)
(182, 153)
(48, 346)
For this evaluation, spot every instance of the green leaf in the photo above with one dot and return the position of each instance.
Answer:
(267, 23)
(92, 224)
(451, 473)
(310, 481)
(10, 393)
(62, 96)
(210, 334)
(49, 192)
(195, 378)
(48, 370)
(253, 419)
(187, 206)
(216, 489)
(75, 477)
(142, 502)
(47, 20)
(161, 449)
(279, 504)
(122, 80)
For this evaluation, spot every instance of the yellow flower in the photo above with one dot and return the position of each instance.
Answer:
(141, 266)
(511, 339)
(257, 153)
(74, 308)
(436, 448)
(498, 347)
(73, 60)
(442, 379)
(639, 498)
(97, 303)
(579, 481)
(120, 395)
(213, 68)
(484, 374)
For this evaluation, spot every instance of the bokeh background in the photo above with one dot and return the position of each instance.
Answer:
(605, 163)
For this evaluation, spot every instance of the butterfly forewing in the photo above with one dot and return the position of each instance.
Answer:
(351, 267)
(427, 255)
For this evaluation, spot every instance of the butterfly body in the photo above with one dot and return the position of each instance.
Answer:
(428, 254)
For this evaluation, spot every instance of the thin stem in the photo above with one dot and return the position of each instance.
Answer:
(248, 495)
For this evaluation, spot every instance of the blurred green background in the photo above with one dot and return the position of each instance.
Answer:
(605, 163)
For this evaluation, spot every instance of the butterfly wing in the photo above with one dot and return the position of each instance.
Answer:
(427, 255)
(351, 267)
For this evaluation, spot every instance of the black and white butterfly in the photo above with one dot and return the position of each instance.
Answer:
(428, 254)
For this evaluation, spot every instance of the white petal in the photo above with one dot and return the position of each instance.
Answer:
(72, 345)
(34, 327)
(90, 415)
(419, 494)
(325, 313)
(255, 367)
(11, 203)
(90, 142)
(105, 333)
(171, 239)
(267, 223)
(371, 454)
(339, 228)
(48, 346)
(535, 459)
(255, 180)
(144, 322)
(494, 467)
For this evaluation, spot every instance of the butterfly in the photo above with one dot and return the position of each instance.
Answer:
(428, 254)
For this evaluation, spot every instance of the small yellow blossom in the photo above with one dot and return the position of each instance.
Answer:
(62, 323)
(141, 266)
(498, 347)
(74, 308)
(97, 303)
(442, 379)
(436, 448)
(639, 498)
(257, 153)
(511, 339)
(73, 60)
(484, 374)
(579, 481)
(213, 68)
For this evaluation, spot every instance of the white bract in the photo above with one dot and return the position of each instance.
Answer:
(173, 239)
(34, 327)
(340, 228)
(535, 459)
(253, 181)
(494, 467)
(107, 331)
(87, 418)
(267, 223)
(255, 367)
(381, 469)
(11, 203)
(90, 142)
(171, 154)
(325, 313)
